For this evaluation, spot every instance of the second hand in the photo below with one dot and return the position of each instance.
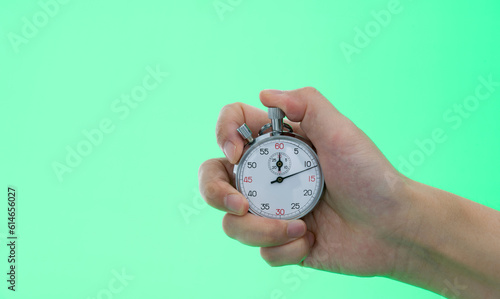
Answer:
(281, 179)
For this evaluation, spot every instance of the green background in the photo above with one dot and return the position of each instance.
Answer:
(132, 203)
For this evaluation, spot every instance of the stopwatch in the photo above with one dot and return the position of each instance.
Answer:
(279, 173)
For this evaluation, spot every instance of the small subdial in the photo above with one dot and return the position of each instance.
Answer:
(279, 163)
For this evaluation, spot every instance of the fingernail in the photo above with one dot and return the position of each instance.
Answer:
(234, 203)
(295, 229)
(274, 91)
(229, 149)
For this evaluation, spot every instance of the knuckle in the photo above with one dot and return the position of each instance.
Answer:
(267, 255)
(211, 191)
(229, 117)
(229, 110)
(208, 169)
(227, 107)
(204, 167)
(219, 132)
(219, 127)
(309, 89)
(274, 234)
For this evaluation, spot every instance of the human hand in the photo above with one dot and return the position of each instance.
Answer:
(371, 220)
(350, 230)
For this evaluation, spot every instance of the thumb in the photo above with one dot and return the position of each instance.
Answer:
(319, 119)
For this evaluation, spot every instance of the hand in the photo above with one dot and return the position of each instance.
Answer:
(350, 229)
(371, 220)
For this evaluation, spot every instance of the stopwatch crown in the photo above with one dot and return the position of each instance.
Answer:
(275, 113)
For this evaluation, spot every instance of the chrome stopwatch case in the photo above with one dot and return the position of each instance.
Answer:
(279, 172)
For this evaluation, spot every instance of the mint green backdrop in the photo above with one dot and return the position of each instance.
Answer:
(109, 107)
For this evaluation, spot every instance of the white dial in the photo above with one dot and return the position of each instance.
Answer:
(281, 177)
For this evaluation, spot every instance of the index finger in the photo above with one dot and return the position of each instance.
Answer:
(231, 117)
(217, 189)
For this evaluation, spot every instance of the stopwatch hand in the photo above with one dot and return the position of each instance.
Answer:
(281, 179)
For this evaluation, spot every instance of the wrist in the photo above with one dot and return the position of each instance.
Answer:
(419, 261)
(439, 244)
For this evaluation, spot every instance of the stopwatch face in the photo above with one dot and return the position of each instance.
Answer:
(280, 177)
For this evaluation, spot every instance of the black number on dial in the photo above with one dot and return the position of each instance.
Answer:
(295, 206)
(264, 206)
(264, 151)
(252, 193)
(252, 164)
(308, 192)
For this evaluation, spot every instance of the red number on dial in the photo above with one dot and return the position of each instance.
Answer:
(248, 179)
(280, 211)
(312, 178)
(279, 146)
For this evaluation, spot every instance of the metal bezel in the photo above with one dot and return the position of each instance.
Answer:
(283, 135)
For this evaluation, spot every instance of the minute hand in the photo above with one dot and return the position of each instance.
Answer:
(276, 181)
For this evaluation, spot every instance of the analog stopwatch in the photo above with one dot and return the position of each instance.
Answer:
(279, 172)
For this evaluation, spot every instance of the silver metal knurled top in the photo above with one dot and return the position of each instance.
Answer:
(275, 113)
(245, 133)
